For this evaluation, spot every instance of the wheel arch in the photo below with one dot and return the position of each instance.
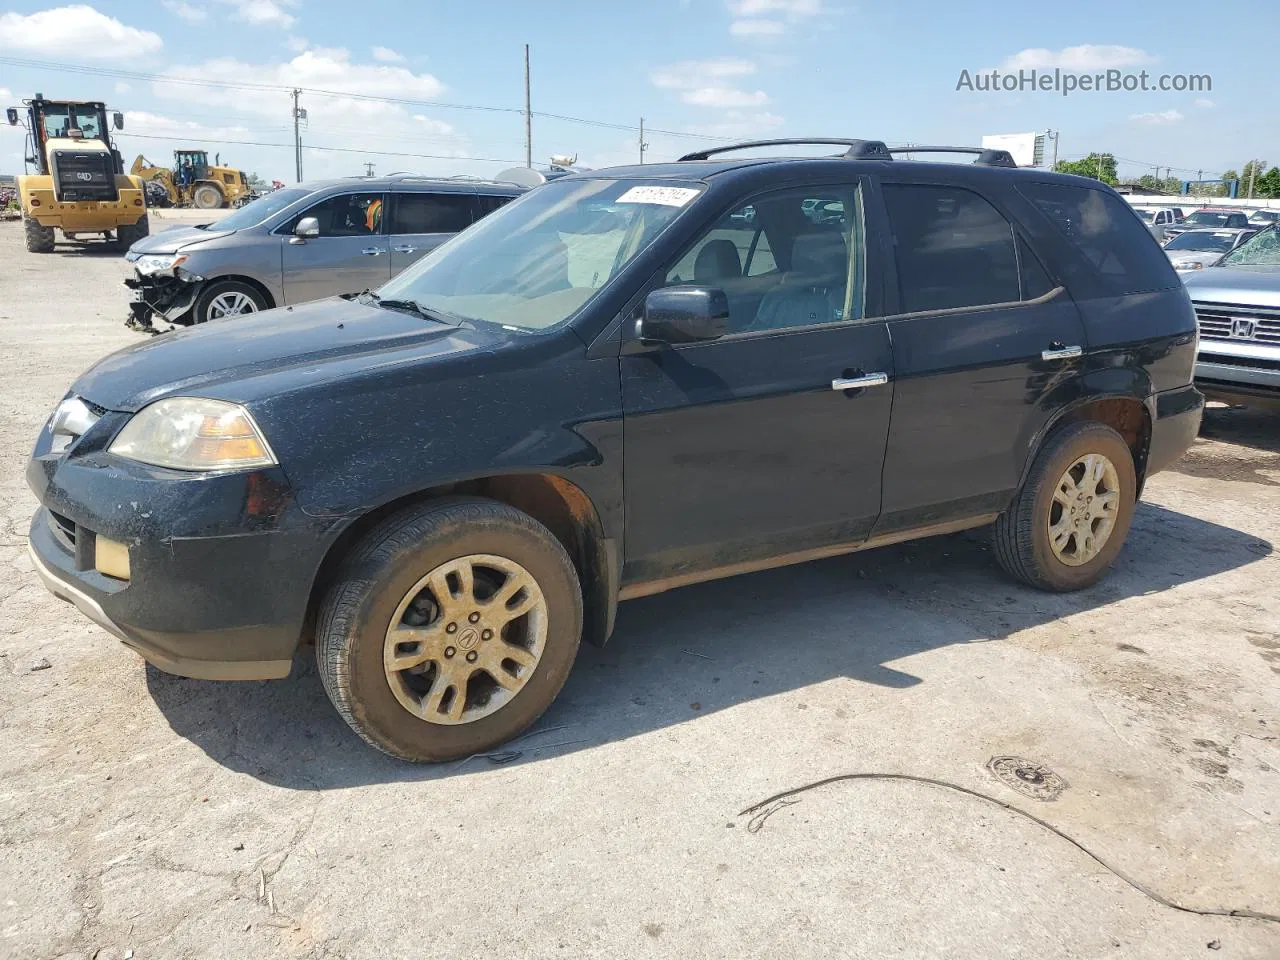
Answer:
(557, 503)
(1129, 415)
(249, 281)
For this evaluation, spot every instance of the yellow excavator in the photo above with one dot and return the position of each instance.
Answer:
(79, 186)
(193, 181)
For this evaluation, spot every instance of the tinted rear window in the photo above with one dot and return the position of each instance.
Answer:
(1103, 228)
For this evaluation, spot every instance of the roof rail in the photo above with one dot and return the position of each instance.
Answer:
(986, 157)
(857, 149)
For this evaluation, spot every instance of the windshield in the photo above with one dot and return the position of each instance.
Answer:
(251, 214)
(1262, 249)
(1217, 242)
(1209, 218)
(63, 117)
(1266, 216)
(538, 260)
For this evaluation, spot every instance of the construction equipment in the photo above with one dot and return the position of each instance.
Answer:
(79, 185)
(193, 181)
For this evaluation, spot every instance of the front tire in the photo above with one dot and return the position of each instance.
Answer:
(207, 197)
(450, 628)
(39, 238)
(1067, 524)
(226, 298)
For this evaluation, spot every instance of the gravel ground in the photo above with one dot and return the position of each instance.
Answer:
(175, 818)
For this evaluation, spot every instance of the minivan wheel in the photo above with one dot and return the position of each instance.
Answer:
(450, 628)
(1070, 519)
(226, 298)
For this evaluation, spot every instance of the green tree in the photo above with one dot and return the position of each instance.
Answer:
(1268, 184)
(1099, 166)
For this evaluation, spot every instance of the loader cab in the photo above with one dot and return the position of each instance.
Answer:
(199, 160)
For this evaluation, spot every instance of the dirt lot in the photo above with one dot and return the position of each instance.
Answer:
(174, 818)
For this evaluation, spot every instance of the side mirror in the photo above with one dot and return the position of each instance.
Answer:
(684, 314)
(117, 120)
(12, 114)
(308, 228)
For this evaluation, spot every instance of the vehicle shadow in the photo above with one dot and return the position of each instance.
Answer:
(1235, 443)
(693, 651)
(70, 248)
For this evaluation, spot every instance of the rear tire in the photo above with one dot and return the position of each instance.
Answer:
(226, 298)
(392, 583)
(1064, 528)
(207, 197)
(129, 234)
(39, 238)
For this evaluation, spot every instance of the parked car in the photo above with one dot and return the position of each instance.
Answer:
(1208, 217)
(302, 243)
(1264, 218)
(1157, 219)
(1197, 249)
(617, 385)
(1237, 303)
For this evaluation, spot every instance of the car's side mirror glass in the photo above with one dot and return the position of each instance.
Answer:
(684, 314)
(307, 228)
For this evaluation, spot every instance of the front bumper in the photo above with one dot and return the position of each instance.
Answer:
(169, 298)
(87, 216)
(1174, 426)
(221, 567)
(1238, 370)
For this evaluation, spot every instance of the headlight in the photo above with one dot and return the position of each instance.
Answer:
(191, 433)
(152, 263)
(1191, 265)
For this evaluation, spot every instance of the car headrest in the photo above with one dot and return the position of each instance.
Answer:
(717, 260)
(820, 254)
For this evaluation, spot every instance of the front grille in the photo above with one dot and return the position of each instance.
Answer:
(85, 176)
(64, 530)
(1220, 321)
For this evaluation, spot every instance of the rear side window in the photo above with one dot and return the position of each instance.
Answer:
(953, 248)
(432, 212)
(1104, 229)
(486, 203)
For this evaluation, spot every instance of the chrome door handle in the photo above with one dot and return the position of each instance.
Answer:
(372, 251)
(1061, 353)
(404, 249)
(857, 383)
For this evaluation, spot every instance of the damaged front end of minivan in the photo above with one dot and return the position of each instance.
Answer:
(162, 288)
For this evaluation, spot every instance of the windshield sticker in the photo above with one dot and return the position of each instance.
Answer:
(666, 196)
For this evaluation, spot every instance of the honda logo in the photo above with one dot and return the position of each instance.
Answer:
(1243, 329)
(84, 176)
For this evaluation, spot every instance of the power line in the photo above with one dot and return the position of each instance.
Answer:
(118, 73)
(315, 146)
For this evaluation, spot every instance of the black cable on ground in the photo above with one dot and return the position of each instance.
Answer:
(764, 809)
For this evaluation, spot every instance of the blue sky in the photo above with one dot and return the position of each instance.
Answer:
(715, 68)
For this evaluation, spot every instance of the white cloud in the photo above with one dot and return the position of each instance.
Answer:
(122, 87)
(740, 125)
(709, 83)
(77, 31)
(264, 13)
(387, 55)
(1087, 56)
(757, 28)
(1162, 118)
(297, 44)
(792, 9)
(1204, 103)
(187, 11)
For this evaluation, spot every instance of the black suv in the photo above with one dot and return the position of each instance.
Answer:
(624, 381)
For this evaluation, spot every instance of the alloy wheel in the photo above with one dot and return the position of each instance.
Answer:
(1083, 511)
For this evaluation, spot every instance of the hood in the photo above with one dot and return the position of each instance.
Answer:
(290, 346)
(1257, 286)
(68, 145)
(169, 241)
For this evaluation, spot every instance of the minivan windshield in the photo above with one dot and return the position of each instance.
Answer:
(534, 263)
(252, 214)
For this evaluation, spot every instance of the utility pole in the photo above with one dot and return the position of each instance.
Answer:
(528, 114)
(643, 146)
(298, 115)
(1253, 172)
(1054, 134)
(368, 168)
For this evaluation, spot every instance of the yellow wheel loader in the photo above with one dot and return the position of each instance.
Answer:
(79, 185)
(193, 181)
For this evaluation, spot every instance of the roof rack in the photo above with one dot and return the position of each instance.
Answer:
(862, 150)
(857, 149)
(986, 157)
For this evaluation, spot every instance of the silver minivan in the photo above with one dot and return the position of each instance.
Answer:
(302, 243)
